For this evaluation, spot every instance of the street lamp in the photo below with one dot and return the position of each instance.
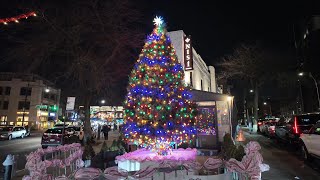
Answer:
(316, 85)
(47, 90)
(265, 103)
(103, 101)
(251, 90)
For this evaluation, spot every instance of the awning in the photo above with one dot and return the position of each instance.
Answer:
(200, 96)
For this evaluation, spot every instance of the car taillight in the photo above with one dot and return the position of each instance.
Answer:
(295, 127)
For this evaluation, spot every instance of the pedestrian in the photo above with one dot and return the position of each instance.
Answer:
(105, 130)
(99, 131)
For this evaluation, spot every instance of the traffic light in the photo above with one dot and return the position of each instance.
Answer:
(53, 108)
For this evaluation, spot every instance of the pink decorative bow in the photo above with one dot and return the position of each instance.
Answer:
(114, 173)
(213, 163)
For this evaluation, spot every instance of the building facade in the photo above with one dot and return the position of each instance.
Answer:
(27, 99)
(216, 108)
(197, 74)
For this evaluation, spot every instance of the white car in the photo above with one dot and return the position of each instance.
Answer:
(310, 143)
(11, 132)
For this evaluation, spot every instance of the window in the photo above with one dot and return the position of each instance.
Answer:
(191, 79)
(25, 91)
(46, 95)
(1, 90)
(201, 86)
(3, 120)
(7, 92)
(5, 105)
(22, 105)
(52, 97)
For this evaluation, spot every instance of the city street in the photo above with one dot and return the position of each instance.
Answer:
(284, 161)
(20, 148)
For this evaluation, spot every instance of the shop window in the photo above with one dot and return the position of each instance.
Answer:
(25, 91)
(7, 91)
(5, 105)
(25, 105)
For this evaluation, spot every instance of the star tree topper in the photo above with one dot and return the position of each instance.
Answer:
(158, 21)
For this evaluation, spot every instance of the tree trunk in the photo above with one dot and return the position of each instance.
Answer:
(245, 107)
(256, 108)
(87, 123)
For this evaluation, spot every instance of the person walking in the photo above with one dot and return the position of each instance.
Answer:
(99, 132)
(105, 130)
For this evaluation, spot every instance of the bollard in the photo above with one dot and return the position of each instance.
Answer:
(8, 167)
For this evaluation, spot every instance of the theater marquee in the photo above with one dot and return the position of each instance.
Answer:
(188, 58)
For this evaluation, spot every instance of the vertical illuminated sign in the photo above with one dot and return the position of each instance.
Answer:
(188, 58)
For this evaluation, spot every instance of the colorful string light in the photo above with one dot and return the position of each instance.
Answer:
(16, 19)
(158, 110)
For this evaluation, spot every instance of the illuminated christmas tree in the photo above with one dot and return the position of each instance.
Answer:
(158, 111)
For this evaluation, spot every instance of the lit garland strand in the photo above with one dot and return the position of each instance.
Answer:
(158, 110)
(16, 19)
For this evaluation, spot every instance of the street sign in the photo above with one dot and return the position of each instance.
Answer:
(70, 103)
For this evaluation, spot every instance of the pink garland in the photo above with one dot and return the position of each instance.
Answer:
(37, 167)
(142, 155)
(251, 166)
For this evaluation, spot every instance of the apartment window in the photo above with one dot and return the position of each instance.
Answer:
(46, 95)
(191, 79)
(201, 86)
(3, 120)
(25, 105)
(25, 91)
(5, 105)
(53, 97)
(7, 91)
(1, 90)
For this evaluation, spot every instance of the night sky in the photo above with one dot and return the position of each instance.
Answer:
(216, 27)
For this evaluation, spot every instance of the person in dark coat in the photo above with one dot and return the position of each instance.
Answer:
(105, 130)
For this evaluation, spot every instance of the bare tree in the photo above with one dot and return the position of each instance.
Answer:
(84, 46)
(250, 64)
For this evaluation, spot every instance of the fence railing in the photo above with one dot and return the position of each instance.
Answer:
(54, 162)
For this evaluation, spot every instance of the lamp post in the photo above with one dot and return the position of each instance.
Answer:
(316, 85)
(265, 103)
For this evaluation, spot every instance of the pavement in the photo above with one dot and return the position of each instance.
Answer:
(283, 160)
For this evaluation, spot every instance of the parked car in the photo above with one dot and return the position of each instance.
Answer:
(289, 131)
(264, 127)
(60, 125)
(271, 129)
(58, 136)
(79, 131)
(310, 142)
(11, 132)
(260, 124)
